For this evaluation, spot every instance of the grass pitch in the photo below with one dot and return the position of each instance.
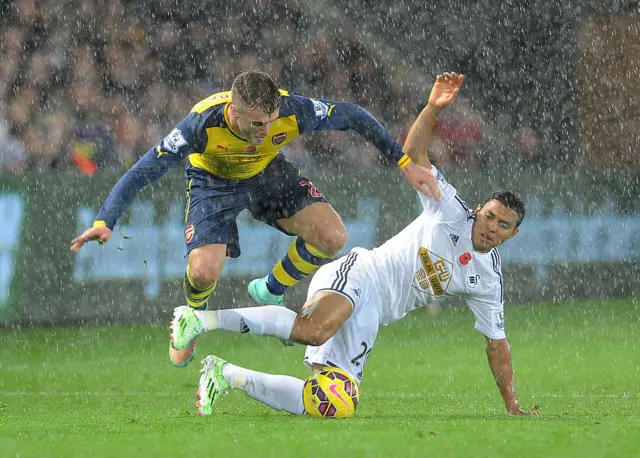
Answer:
(427, 391)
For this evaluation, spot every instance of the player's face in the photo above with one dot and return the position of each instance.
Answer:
(253, 125)
(494, 224)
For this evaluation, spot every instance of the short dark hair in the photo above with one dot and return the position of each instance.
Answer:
(256, 90)
(510, 200)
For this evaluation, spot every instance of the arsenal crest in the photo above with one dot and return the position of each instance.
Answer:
(189, 232)
(277, 139)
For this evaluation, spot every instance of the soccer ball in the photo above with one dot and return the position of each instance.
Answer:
(330, 393)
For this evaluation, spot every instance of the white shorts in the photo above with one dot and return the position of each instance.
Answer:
(350, 347)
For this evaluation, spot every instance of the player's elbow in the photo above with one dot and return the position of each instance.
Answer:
(355, 114)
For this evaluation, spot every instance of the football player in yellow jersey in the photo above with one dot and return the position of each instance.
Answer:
(232, 143)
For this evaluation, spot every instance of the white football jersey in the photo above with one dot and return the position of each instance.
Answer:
(433, 257)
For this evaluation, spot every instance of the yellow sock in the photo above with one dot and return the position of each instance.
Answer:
(196, 298)
(300, 261)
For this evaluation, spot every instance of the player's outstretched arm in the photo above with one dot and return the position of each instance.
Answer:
(499, 356)
(317, 114)
(443, 93)
(416, 146)
(188, 136)
(149, 168)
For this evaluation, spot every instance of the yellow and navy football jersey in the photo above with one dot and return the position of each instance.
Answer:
(220, 151)
(209, 143)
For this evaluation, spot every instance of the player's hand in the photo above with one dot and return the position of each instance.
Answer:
(445, 90)
(422, 179)
(101, 234)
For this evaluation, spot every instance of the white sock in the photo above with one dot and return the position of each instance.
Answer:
(271, 320)
(280, 392)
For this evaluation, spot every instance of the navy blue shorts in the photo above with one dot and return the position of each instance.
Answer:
(213, 203)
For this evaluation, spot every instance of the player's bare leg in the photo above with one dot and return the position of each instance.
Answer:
(321, 317)
(203, 269)
(280, 392)
(320, 226)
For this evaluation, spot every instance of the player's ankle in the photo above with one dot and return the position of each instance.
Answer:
(235, 376)
(275, 293)
(208, 318)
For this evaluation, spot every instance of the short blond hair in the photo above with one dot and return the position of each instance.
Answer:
(255, 89)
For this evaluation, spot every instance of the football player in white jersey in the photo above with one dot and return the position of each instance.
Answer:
(449, 250)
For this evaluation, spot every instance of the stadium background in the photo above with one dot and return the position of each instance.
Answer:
(549, 108)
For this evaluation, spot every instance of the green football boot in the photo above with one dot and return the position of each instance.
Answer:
(212, 384)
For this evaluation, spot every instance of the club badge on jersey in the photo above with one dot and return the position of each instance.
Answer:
(435, 275)
(473, 280)
(277, 139)
(189, 232)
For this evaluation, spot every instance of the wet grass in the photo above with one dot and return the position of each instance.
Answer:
(110, 391)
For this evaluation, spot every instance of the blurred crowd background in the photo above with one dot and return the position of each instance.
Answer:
(91, 85)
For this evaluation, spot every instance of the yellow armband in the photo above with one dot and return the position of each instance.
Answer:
(404, 161)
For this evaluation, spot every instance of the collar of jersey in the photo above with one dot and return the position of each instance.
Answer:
(226, 119)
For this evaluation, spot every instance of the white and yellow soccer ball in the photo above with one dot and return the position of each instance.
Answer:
(330, 393)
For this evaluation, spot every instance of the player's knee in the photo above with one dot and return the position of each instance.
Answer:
(332, 239)
(320, 333)
(308, 332)
(205, 264)
(202, 276)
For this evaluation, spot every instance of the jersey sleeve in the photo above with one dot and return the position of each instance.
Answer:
(450, 206)
(188, 136)
(321, 114)
(488, 310)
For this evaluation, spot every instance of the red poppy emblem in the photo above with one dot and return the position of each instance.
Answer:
(189, 232)
(465, 258)
(251, 149)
